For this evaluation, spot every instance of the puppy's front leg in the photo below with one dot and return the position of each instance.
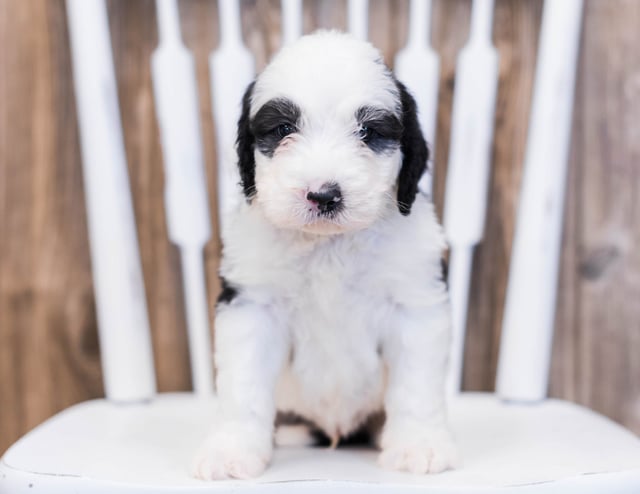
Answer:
(250, 349)
(416, 437)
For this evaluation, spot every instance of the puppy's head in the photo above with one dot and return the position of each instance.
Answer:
(328, 137)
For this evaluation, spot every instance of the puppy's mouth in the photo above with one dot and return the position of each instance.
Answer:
(324, 222)
(331, 213)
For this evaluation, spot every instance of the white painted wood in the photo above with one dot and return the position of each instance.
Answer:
(469, 166)
(197, 311)
(358, 18)
(232, 68)
(417, 65)
(551, 447)
(176, 102)
(291, 20)
(527, 331)
(459, 280)
(123, 325)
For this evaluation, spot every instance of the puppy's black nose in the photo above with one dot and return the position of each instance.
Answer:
(328, 198)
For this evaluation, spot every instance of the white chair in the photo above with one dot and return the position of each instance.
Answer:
(138, 442)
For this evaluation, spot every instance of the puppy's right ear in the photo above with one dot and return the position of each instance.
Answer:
(245, 146)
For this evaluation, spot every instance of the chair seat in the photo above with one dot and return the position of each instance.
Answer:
(99, 446)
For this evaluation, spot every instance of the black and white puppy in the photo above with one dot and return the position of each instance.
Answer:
(334, 307)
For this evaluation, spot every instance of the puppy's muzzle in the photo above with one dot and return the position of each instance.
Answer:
(327, 200)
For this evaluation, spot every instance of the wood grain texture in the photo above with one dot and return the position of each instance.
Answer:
(49, 355)
(597, 350)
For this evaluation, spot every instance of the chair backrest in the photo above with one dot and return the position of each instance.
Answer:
(122, 315)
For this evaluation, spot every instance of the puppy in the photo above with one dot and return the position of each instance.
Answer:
(334, 308)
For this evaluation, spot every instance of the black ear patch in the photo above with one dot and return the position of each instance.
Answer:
(245, 145)
(414, 151)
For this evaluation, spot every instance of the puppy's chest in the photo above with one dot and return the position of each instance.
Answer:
(334, 315)
(334, 288)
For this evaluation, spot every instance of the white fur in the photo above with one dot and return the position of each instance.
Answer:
(293, 435)
(334, 319)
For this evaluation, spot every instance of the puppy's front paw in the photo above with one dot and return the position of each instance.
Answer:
(233, 450)
(223, 463)
(424, 451)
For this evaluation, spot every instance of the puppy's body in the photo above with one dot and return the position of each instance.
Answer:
(335, 308)
(337, 299)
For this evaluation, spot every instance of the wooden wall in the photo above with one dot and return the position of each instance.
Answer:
(49, 355)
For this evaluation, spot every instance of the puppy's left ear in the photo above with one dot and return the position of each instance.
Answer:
(414, 151)
(245, 146)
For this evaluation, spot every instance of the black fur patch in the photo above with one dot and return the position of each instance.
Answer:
(379, 129)
(363, 436)
(274, 121)
(360, 437)
(444, 267)
(228, 292)
(245, 145)
(414, 150)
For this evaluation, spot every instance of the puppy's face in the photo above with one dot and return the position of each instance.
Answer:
(328, 138)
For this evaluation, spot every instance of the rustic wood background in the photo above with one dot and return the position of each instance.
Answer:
(49, 355)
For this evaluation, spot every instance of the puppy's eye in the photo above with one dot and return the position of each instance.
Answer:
(366, 134)
(378, 129)
(283, 130)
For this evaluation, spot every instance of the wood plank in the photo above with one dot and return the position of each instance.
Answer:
(48, 339)
(328, 14)
(261, 29)
(604, 363)
(388, 26)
